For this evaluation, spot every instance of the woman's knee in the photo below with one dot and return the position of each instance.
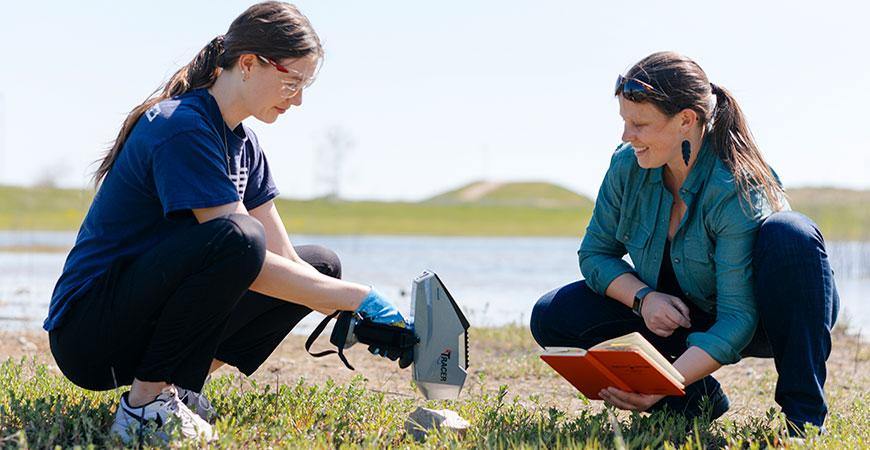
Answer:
(243, 237)
(321, 258)
(787, 234)
(792, 267)
(540, 317)
(553, 308)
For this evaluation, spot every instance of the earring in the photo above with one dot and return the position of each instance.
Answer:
(687, 151)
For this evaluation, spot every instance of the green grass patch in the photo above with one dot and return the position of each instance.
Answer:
(39, 409)
(43, 208)
(64, 209)
(331, 217)
(534, 194)
(841, 214)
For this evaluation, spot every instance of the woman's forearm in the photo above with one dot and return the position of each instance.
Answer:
(623, 288)
(695, 364)
(300, 283)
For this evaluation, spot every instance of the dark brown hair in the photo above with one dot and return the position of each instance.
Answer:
(275, 30)
(685, 86)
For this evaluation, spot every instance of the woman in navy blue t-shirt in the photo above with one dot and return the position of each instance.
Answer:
(182, 263)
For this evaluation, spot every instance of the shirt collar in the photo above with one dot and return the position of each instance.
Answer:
(235, 138)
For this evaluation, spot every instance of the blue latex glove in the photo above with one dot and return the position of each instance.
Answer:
(378, 309)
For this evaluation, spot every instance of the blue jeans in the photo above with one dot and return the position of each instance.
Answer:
(797, 307)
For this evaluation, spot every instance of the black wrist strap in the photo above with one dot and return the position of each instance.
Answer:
(341, 325)
(396, 342)
(638, 299)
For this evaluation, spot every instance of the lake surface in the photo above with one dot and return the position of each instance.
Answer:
(496, 281)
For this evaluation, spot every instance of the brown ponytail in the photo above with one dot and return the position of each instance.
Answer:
(736, 147)
(197, 74)
(686, 86)
(276, 30)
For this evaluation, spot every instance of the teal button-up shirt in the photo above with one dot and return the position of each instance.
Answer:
(711, 252)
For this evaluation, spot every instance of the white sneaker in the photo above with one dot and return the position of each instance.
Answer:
(197, 402)
(166, 407)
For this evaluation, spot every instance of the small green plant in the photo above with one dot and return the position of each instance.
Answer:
(39, 409)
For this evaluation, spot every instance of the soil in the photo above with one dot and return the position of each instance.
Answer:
(748, 383)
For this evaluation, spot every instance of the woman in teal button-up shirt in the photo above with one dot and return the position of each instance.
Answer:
(715, 251)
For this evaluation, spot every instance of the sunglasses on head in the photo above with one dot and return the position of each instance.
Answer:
(635, 90)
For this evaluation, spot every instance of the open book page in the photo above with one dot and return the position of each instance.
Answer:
(636, 342)
(571, 350)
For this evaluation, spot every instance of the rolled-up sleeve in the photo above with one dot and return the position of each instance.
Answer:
(600, 254)
(734, 228)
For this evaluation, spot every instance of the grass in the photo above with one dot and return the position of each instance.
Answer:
(40, 409)
(537, 194)
(841, 214)
(64, 209)
(330, 217)
(42, 208)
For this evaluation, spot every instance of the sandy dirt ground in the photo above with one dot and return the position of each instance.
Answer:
(748, 383)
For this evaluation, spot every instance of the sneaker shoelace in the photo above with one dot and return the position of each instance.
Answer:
(199, 400)
(170, 405)
(173, 407)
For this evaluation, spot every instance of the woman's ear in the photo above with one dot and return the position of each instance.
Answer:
(688, 118)
(247, 62)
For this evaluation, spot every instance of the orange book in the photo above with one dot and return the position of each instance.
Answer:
(628, 362)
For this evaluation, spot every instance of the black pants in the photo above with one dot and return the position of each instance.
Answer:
(166, 314)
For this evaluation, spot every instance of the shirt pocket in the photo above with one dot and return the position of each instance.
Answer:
(634, 236)
(701, 266)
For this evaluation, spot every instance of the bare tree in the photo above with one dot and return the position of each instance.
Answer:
(336, 145)
(50, 174)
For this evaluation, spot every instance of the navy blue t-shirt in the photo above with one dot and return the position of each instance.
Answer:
(180, 156)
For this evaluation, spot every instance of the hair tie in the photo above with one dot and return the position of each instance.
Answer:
(715, 108)
(218, 43)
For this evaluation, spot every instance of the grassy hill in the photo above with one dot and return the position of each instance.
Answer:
(535, 195)
(329, 217)
(479, 209)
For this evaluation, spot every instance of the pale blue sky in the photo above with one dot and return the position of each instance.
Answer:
(437, 94)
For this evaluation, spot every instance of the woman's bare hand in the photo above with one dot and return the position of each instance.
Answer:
(628, 400)
(664, 313)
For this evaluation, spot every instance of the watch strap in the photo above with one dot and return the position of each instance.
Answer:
(638, 299)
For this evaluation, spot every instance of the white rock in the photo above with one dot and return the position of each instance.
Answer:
(29, 346)
(422, 420)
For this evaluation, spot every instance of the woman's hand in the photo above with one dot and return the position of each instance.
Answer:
(664, 313)
(628, 400)
(379, 309)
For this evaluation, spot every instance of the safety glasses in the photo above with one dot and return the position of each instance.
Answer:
(635, 90)
(291, 86)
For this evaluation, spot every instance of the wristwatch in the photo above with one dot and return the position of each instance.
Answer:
(638, 299)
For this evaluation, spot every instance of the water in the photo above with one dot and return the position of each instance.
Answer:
(496, 281)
